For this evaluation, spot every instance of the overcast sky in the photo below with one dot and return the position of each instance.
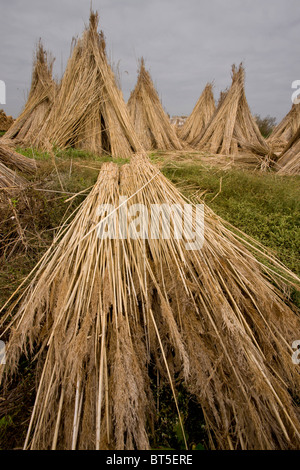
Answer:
(185, 43)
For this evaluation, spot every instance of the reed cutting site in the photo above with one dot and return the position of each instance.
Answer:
(149, 266)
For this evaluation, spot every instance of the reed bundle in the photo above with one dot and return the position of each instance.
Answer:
(89, 111)
(15, 160)
(40, 100)
(5, 121)
(289, 160)
(151, 123)
(233, 129)
(99, 313)
(285, 130)
(201, 115)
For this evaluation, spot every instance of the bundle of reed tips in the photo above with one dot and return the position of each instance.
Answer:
(89, 112)
(200, 117)
(151, 123)
(40, 100)
(100, 311)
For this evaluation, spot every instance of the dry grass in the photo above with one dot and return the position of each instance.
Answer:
(247, 161)
(97, 312)
(11, 189)
(151, 123)
(9, 180)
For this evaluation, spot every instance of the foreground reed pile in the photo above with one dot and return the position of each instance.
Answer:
(151, 123)
(40, 100)
(200, 117)
(233, 129)
(89, 112)
(99, 313)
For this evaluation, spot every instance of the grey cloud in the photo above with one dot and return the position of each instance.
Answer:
(185, 45)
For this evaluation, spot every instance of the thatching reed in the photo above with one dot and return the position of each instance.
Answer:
(90, 112)
(151, 123)
(40, 100)
(99, 311)
(200, 117)
(233, 129)
(16, 206)
(5, 121)
(222, 95)
(289, 160)
(15, 160)
(9, 180)
(12, 188)
(285, 130)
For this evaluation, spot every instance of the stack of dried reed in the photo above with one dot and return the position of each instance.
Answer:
(39, 102)
(98, 311)
(90, 112)
(200, 117)
(15, 160)
(285, 130)
(289, 160)
(232, 128)
(5, 121)
(151, 123)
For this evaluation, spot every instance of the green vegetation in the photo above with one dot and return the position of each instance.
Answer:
(266, 125)
(263, 205)
(69, 154)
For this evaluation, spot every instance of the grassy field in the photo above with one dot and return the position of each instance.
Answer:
(264, 206)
